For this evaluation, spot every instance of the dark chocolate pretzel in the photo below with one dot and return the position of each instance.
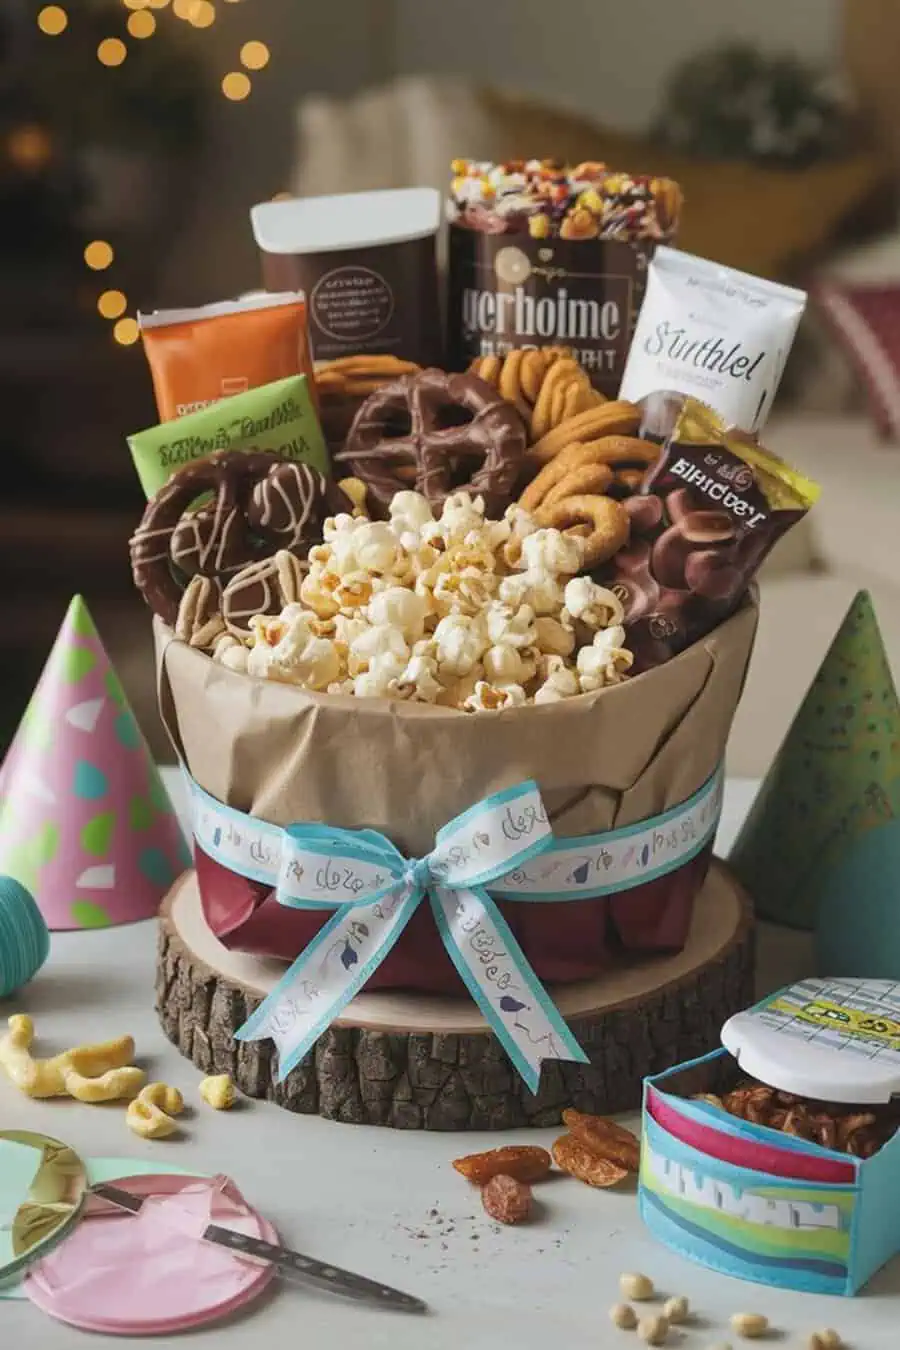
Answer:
(409, 434)
(260, 502)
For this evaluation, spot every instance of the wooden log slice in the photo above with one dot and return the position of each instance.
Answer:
(420, 1063)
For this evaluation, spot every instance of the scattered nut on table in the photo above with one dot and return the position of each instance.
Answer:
(636, 1287)
(622, 1315)
(676, 1310)
(150, 1114)
(749, 1325)
(89, 1073)
(218, 1091)
(828, 1339)
(653, 1330)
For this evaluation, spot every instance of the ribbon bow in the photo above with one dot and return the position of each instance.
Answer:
(376, 892)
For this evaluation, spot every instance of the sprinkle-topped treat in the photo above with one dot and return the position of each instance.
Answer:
(548, 199)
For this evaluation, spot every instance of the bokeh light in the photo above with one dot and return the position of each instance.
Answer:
(236, 86)
(29, 146)
(111, 52)
(158, 4)
(99, 255)
(142, 24)
(126, 332)
(52, 20)
(202, 14)
(136, 4)
(112, 304)
(255, 55)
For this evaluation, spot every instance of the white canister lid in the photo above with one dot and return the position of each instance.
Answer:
(350, 220)
(834, 1040)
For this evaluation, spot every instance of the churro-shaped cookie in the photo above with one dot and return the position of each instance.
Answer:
(608, 419)
(546, 385)
(608, 451)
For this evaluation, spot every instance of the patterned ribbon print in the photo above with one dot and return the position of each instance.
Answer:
(504, 843)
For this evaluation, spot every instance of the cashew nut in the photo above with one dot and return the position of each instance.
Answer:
(750, 1325)
(218, 1091)
(636, 1287)
(653, 1330)
(622, 1315)
(150, 1114)
(676, 1310)
(89, 1073)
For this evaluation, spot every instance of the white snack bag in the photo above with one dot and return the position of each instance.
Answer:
(715, 334)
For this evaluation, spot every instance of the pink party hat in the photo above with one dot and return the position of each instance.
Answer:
(86, 824)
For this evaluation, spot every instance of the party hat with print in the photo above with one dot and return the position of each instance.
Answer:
(821, 846)
(85, 823)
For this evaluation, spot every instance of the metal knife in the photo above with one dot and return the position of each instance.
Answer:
(306, 1269)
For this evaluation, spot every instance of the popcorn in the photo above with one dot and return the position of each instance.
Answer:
(594, 605)
(399, 608)
(492, 697)
(552, 551)
(607, 661)
(378, 640)
(561, 682)
(554, 636)
(515, 627)
(460, 642)
(455, 612)
(231, 653)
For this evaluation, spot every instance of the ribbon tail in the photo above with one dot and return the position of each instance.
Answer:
(497, 974)
(328, 975)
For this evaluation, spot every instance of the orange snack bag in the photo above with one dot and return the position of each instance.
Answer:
(200, 356)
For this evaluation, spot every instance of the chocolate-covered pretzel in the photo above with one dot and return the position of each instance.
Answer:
(439, 434)
(260, 502)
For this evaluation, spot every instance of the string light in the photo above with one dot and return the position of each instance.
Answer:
(255, 55)
(112, 304)
(53, 20)
(203, 13)
(99, 255)
(141, 24)
(126, 332)
(29, 147)
(111, 52)
(236, 86)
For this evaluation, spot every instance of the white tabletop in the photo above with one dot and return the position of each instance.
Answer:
(389, 1205)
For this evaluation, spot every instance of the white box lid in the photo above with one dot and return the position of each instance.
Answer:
(834, 1040)
(349, 220)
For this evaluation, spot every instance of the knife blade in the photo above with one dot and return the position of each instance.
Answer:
(293, 1265)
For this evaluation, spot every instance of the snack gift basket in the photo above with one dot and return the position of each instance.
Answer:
(793, 1179)
(608, 760)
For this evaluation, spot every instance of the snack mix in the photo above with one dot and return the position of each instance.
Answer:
(858, 1130)
(587, 201)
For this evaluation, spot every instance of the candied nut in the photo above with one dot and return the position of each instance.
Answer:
(622, 1315)
(89, 1073)
(523, 1162)
(749, 1325)
(218, 1091)
(710, 1099)
(573, 1157)
(605, 1139)
(676, 1310)
(653, 1330)
(506, 1199)
(707, 527)
(825, 1340)
(636, 1287)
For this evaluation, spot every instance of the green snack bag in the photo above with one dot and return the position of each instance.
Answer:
(278, 417)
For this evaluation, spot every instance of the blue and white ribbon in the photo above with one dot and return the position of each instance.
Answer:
(504, 843)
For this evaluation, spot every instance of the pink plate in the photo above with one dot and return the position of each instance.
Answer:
(149, 1273)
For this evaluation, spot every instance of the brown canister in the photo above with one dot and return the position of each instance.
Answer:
(367, 263)
(545, 256)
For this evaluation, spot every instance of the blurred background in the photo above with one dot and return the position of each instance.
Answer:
(136, 134)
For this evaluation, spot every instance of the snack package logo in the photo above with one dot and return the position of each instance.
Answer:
(708, 354)
(725, 488)
(847, 1021)
(183, 449)
(580, 293)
